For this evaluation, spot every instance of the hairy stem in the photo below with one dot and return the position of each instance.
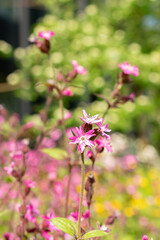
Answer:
(63, 121)
(68, 189)
(81, 195)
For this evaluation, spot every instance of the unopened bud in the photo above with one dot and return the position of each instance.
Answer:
(60, 77)
(126, 78)
(86, 127)
(110, 220)
(16, 174)
(71, 75)
(100, 149)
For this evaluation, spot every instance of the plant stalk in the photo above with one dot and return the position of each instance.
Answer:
(63, 121)
(81, 195)
(68, 189)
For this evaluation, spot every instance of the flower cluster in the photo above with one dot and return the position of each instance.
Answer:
(87, 136)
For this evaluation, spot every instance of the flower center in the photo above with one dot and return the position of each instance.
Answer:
(82, 138)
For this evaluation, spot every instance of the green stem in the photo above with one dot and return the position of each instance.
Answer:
(63, 121)
(81, 195)
(68, 190)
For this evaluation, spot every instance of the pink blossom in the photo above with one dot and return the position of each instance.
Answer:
(49, 224)
(46, 35)
(89, 154)
(58, 188)
(67, 92)
(74, 216)
(103, 143)
(90, 120)
(30, 184)
(78, 68)
(129, 69)
(144, 237)
(103, 227)
(27, 126)
(31, 213)
(55, 135)
(17, 155)
(67, 115)
(82, 139)
(9, 169)
(129, 162)
(1, 120)
(47, 236)
(103, 129)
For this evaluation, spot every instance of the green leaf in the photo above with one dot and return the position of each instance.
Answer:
(56, 153)
(94, 233)
(97, 163)
(65, 225)
(4, 212)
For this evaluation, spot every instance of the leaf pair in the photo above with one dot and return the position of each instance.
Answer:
(70, 228)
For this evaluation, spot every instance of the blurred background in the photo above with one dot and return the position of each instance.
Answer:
(99, 35)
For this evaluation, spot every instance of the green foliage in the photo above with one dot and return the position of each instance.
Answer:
(94, 233)
(5, 49)
(56, 153)
(104, 35)
(65, 225)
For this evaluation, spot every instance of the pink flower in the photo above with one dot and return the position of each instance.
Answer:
(31, 213)
(47, 236)
(27, 126)
(102, 143)
(129, 69)
(67, 115)
(82, 139)
(9, 169)
(103, 227)
(78, 68)
(103, 129)
(67, 92)
(46, 35)
(144, 237)
(74, 216)
(49, 224)
(90, 120)
(30, 184)
(89, 154)
(129, 162)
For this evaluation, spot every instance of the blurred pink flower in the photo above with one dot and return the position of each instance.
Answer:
(27, 126)
(78, 68)
(67, 92)
(82, 139)
(56, 134)
(144, 237)
(102, 143)
(31, 213)
(47, 236)
(129, 162)
(74, 216)
(90, 120)
(67, 115)
(89, 154)
(30, 184)
(9, 169)
(129, 69)
(103, 129)
(46, 35)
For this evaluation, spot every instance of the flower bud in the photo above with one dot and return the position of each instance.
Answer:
(110, 220)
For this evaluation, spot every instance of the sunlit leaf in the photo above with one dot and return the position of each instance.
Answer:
(94, 233)
(56, 153)
(65, 225)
